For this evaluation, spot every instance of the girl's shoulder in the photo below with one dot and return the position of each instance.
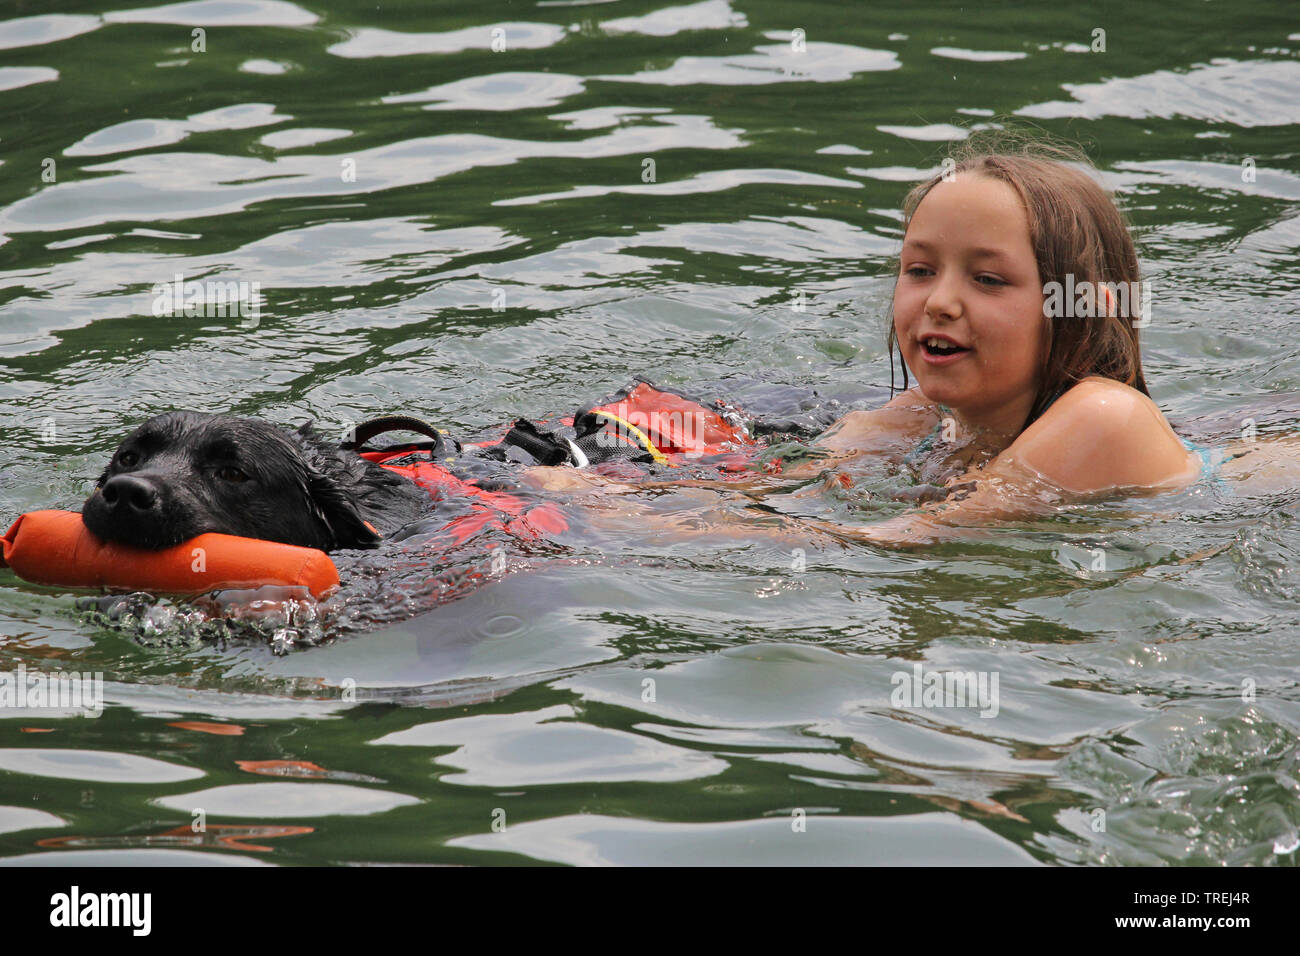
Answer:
(1106, 400)
(1100, 435)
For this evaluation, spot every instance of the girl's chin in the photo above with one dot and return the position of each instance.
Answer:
(941, 390)
(941, 398)
(947, 385)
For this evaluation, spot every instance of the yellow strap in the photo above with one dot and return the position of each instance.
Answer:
(655, 453)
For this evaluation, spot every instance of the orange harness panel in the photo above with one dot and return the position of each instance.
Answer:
(676, 425)
(490, 508)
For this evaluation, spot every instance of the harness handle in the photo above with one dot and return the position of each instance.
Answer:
(393, 423)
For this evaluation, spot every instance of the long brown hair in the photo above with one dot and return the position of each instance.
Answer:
(1076, 230)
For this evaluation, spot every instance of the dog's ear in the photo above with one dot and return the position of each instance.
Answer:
(340, 513)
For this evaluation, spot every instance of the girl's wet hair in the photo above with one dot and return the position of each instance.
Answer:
(1076, 229)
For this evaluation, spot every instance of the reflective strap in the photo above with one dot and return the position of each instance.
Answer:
(641, 436)
(579, 459)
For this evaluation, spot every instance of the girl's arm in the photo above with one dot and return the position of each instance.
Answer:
(905, 418)
(979, 499)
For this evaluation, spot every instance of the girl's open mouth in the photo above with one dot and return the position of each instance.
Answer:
(937, 350)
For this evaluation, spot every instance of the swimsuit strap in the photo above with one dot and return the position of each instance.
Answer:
(1052, 401)
(1059, 392)
(1212, 459)
(926, 444)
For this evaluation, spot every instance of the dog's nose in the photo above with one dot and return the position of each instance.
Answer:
(128, 491)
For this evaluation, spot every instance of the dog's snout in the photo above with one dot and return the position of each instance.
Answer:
(130, 492)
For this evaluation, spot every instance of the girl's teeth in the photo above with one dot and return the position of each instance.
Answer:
(941, 344)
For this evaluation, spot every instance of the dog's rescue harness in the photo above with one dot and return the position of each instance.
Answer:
(643, 425)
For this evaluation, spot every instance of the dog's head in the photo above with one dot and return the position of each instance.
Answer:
(181, 474)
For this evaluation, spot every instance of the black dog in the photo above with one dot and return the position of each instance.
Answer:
(181, 474)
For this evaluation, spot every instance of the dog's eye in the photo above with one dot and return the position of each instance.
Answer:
(231, 473)
(127, 459)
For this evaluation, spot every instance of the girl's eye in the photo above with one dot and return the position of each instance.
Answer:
(231, 473)
(918, 272)
(989, 280)
(127, 459)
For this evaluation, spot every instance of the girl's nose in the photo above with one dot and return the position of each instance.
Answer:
(944, 301)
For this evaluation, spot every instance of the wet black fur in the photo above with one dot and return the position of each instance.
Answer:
(298, 489)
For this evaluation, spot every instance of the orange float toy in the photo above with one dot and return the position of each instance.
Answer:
(54, 547)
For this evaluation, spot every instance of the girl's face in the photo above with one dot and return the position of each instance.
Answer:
(968, 283)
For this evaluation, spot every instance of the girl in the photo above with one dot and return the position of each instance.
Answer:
(1040, 398)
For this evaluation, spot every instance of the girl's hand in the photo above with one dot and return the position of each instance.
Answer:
(562, 478)
(905, 531)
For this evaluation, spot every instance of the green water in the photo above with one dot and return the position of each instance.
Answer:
(515, 724)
